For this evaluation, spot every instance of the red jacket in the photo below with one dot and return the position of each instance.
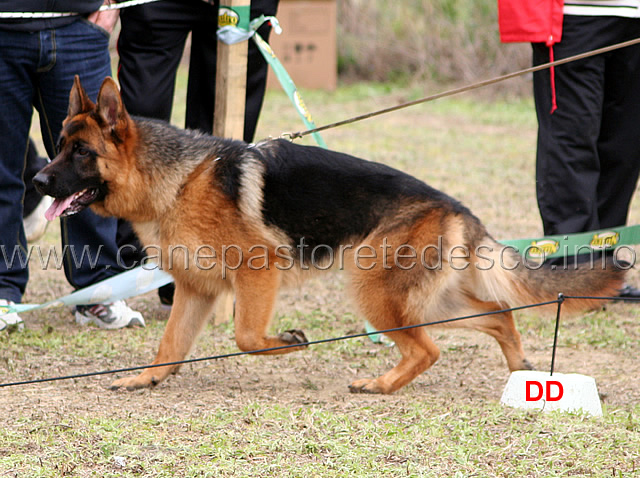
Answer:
(535, 21)
(530, 21)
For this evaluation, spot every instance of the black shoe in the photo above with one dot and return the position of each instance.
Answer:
(629, 292)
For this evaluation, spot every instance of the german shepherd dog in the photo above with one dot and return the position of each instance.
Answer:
(261, 214)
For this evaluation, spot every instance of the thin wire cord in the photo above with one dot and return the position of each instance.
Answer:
(282, 347)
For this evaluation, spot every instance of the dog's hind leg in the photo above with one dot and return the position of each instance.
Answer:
(189, 313)
(256, 293)
(383, 298)
(501, 327)
(418, 351)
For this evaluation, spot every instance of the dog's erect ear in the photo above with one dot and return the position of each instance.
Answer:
(110, 104)
(79, 101)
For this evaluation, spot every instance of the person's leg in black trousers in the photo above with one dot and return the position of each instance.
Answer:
(201, 88)
(202, 72)
(257, 69)
(567, 163)
(619, 141)
(588, 149)
(588, 156)
(150, 46)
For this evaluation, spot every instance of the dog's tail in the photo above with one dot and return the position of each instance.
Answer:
(504, 276)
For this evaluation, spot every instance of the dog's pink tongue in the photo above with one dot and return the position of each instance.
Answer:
(57, 208)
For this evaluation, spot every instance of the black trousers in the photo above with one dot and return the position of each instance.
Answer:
(588, 152)
(150, 47)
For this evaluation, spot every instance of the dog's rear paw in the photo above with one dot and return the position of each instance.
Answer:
(526, 365)
(365, 385)
(293, 337)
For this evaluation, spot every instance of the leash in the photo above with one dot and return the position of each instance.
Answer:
(137, 281)
(231, 34)
(566, 245)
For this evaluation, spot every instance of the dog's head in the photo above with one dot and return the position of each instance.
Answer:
(90, 148)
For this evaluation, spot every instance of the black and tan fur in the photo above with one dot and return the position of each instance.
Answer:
(184, 188)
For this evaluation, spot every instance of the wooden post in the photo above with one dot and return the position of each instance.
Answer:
(231, 74)
(231, 85)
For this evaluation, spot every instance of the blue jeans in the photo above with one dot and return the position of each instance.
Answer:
(37, 70)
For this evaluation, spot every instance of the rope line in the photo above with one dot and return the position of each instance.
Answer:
(617, 299)
(464, 89)
(561, 298)
(271, 349)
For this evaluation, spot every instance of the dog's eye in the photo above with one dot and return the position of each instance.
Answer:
(81, 151)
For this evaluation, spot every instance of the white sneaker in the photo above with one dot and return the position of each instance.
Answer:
(35, 223)
(109, 316)
(9, 321)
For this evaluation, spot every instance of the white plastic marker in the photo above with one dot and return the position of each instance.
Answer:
(539, 390)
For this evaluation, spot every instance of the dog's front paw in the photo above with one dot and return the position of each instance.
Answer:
(293, 337)
(134, 383)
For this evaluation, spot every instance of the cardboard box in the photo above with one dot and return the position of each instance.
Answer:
(307, 45)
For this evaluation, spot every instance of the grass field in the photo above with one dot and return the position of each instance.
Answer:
(292, 416)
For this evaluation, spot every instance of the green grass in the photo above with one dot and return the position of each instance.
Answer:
(412, 439)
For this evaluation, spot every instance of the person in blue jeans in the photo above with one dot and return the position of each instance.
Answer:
(38, 61)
